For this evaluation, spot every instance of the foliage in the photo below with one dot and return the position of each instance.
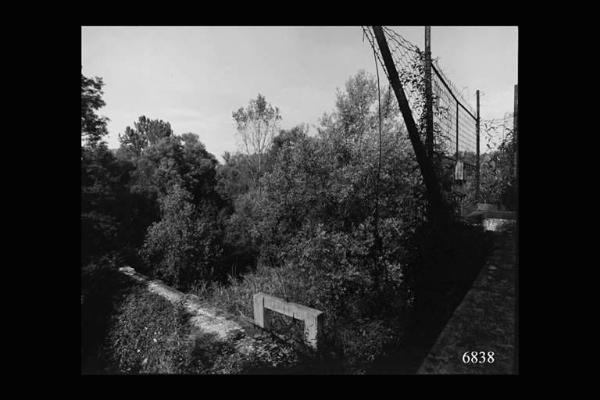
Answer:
(330, 272)
(145, 132)
(93, 127)
(150, 335)
(120, 199)
(184, 245)
(334, 221)
(498, 181)
(354, 113)
(104, 202)
(233, 177)
(256, 127)
(177, 160)
(287, 137)
(327, 181)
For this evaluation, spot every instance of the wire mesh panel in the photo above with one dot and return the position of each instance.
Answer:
(444, 118)
(454, 120)
(408, 60)
(455, 123)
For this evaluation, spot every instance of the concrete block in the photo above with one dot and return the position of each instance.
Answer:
(497, 224)
(312, 318)
(261, 318)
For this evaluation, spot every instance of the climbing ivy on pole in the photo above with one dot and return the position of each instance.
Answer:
(437, 209)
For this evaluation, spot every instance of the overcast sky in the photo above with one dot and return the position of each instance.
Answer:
(195, 77)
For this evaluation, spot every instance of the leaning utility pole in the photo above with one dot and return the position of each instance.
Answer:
(432, 185)
(428, 94)
(478, 171)
(515, 128)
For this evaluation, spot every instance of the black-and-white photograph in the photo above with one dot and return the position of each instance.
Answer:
(299, 200)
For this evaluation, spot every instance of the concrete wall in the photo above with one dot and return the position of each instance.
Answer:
(312, 318)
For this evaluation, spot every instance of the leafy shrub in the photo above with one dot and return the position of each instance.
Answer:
(329, 271)
(263, 356)
(185, 245)
(498, 181)
(364, 341)
(352, 269)
(104, 203)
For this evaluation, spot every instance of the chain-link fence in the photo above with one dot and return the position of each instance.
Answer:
(455, 124)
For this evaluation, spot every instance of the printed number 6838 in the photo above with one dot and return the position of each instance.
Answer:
(478, 357)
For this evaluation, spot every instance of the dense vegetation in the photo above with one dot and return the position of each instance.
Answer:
(498, 175)
(335, 221)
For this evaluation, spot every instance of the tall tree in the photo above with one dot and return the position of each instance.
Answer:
(257, 124)
(184, 245)
(144, 133)
(177, 160)
(104, 194)
(105, 202)
(354, 105)
(93, 127)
